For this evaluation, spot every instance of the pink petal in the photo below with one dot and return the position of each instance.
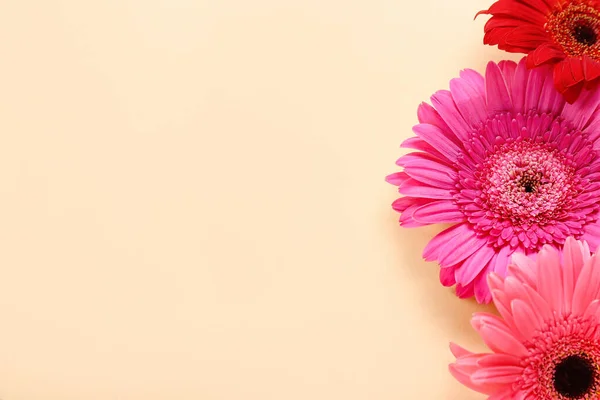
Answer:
(592, 236)
(432, 173)
(407, 220)
(444, 104)
(474, 79)
(423, 157)
(526, 319)
(505, 375)
(458, 351)
(538, 304)
(414, 188)
(502, 260)
(465, 292)
(518, 88)
(403, 203)
(593, 309)
(438, 139)
(508, 69)
(463, 245)
(524, 269)
(535, 84)
(428, 115)
(502, 341)
(573, 259)
(549, 100)
(474, 264)
(438, 212)
(447, 276)
(581, 111)
(497, 95)
(514, 289)
(495, 360)
(483, 295)
(397, 178)
(587, 286)
(469, 102)
(431, 251)
(549, 282)
(417, 143)
(464, 378)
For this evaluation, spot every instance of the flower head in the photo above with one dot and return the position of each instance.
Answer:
(509, 164)
(564, 33)
(546, 344)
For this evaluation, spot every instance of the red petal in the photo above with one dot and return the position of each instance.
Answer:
(569, 79)
(527, 37)
(591, 68)
(572, 94)
(519, 11)
(501, 22)
(509, 41)
(545, 53)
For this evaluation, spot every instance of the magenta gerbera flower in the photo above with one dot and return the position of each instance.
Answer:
(546, 344)
(506, 161)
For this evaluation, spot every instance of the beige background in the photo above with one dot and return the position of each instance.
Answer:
(192, 199)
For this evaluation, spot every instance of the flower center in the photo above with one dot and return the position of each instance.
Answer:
(527, 182)
(564, 360)
(576, 28)
(574, 376)
(585, 35)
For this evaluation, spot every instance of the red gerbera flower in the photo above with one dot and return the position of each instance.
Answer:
(565, 33)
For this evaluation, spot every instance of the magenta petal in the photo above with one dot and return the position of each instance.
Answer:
(431, 251)
(580, 112)
(519, 86)
(465, 292)
(592, 236)
(444, 103)
(474, 264)
(411, 187)
(397, 178)
(439, 212)
(417, 143)
(463, 246)
(535, 85)
(497, 95)
(447, 276)
(429, 115)
(432, 173)
(438, 140)
(474, 79)
(508, 69)
(403, 203)
(469, 102)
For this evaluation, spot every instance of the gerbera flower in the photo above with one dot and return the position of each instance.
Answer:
(509, 164)
(564, 33)
(546, 344)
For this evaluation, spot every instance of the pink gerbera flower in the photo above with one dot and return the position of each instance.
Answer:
(546, 345)
(506, 161)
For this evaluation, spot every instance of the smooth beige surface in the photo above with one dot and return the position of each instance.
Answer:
(193, 204)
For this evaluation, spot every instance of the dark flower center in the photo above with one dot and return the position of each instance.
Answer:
(574, 377)
(529, 182)
(585, 34)
(576, 28)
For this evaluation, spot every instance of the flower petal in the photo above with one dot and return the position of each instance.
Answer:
(473, 265)
(497, 95)
(549, 283)
(438, 212)
(438, 140)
